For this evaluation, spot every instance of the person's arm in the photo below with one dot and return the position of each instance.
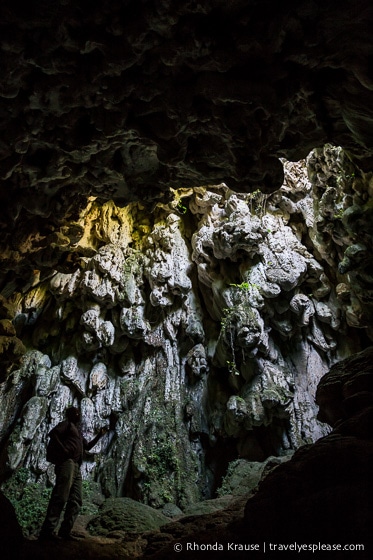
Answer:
(92, 443)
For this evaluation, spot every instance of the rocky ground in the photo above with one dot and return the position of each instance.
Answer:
(121, 545)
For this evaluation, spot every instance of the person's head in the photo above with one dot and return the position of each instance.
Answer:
(73, 414)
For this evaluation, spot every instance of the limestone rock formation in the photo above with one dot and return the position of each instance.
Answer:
(11, 347)
(346, 393)
(321, 497)
(243, 476)
(332, 476)
(127, 516)
(202, 327)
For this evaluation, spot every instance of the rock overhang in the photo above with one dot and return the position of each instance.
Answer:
(124, 100)
(130, 101)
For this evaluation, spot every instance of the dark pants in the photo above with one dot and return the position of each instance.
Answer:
(67, 491)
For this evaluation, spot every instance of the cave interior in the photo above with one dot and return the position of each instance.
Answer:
(186, 255)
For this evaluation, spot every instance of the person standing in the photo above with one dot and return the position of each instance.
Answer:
(66, 450)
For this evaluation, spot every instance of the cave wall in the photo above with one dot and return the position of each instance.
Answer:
(197, 333)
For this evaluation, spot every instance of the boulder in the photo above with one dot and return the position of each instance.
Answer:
(127, 515)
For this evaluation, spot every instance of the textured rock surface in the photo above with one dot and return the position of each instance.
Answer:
(322, 495)
(196, 333)
(342, 232)
(125, 336)
(346, 391)
(11, 347)
(244, 476)
(123, 100)
(126, 515)
(199, 330)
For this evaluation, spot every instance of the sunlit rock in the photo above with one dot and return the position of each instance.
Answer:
(33, 414)
(73, 375)
(98, 378)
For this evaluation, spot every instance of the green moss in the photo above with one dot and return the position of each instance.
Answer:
(339, 214)
(345, 177)
(29, 499)
(125, 514)
(246, 286)
(225, 487)
(92, 498)
(181, 208)
(162, 473)
(163, 460)
(169, 470)
(241, 477)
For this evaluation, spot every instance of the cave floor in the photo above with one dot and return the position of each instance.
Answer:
(223, 526)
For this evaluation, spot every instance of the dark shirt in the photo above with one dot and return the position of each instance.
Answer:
(71, 439)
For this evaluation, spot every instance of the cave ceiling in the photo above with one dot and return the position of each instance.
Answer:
(123, 99)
